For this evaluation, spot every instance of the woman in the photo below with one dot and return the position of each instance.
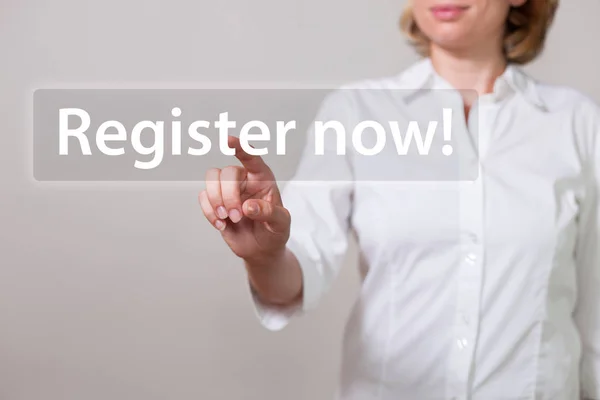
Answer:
(482, 290)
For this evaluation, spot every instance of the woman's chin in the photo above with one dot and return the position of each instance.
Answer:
(451, 42)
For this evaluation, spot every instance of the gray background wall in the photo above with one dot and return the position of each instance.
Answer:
(122, 291)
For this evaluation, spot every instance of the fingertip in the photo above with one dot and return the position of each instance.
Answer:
(221, 212)
(235, 216)
(234, 143)
(232, 139)
(220, 225)
(251, 208)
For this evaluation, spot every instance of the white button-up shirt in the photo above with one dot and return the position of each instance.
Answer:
(483, 290)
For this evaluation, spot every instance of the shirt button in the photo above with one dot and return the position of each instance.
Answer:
(462, 343)
(471, 258)
(465, 319)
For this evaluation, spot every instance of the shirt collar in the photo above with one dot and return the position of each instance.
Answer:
(422, 75)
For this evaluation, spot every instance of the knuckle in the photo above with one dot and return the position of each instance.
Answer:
(213, 174)
(232, 173)
(231, 169)
(229, 180)
(286, 214)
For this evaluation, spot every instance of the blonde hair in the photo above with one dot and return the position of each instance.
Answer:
(525, 35)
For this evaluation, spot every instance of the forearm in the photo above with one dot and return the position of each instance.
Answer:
(277, 280)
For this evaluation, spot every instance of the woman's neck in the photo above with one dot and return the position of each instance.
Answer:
(467, 71)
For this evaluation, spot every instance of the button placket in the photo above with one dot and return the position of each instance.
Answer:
(470, 279)
(469, 268)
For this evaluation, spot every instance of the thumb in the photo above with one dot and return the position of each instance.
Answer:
(276, 217)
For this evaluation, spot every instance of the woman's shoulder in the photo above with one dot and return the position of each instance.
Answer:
(582, 111)
(566, 98)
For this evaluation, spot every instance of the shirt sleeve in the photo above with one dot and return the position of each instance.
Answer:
(587, 255)
(319, 198)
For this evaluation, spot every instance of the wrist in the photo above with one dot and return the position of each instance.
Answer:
(266, 260)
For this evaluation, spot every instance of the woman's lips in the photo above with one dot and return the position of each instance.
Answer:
(448, 12)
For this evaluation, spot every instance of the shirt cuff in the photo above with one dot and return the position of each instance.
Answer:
(276, 317)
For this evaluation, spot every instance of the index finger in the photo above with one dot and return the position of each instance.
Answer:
(253, 164)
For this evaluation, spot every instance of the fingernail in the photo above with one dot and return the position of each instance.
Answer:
(221, 212)
(252, 208)
(220, 225)
(235, 216)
